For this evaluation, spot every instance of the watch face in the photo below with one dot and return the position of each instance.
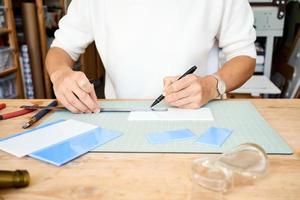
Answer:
(221, 87)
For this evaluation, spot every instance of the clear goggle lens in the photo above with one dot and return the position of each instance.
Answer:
(243, 163)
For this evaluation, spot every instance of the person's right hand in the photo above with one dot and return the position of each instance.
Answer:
(74, 91)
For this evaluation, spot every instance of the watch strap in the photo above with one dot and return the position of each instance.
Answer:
(220, 83)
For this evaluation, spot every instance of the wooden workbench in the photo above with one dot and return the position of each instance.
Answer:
(152, 176)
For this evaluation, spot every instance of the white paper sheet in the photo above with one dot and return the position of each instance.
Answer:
(173, 114)
(28, 143)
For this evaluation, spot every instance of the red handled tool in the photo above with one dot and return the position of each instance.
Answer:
(13, 114)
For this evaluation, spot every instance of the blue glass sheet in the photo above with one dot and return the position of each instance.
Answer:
(61, 153)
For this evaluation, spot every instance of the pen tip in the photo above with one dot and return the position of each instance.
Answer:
(153, 104)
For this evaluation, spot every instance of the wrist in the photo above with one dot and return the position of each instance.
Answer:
(56, 75)
(211, 87)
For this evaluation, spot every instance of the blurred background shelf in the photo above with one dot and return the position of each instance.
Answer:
(46, 17)
(11, 85)
(4, 31)
(8, 71)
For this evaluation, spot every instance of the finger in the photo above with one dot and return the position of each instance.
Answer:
(84, 98)
(62, 99)
(188, 100)
(75, 102)
(193, 105)
(170, 98)
(93, 94)
(85, 84)
(169, 80)
(182, 83)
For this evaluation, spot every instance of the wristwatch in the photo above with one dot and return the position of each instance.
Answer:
(221, 86)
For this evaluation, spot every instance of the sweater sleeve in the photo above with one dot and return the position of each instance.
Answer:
(75, 30)
(236, 34)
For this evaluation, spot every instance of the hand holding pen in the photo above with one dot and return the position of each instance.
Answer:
(190, 91)
(161, 97)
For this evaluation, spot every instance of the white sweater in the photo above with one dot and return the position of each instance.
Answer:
(142, 41)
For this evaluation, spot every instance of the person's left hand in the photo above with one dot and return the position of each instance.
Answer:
(189, 92)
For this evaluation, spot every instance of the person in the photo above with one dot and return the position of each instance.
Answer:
(145, 44)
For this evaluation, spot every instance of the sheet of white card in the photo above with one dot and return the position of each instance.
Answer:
(28, 143)
(173, 114)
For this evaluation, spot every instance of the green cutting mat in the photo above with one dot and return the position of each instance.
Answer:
(241, 116)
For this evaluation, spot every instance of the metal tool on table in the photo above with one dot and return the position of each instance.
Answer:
(121, 109)
(39, 115)
(14, 113)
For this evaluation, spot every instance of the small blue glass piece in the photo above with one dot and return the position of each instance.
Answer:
(170, 136)
(214, 136)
